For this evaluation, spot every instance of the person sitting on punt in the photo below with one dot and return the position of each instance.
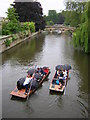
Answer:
(41, 71)
(27, 82)
(58, 83)
(65, 75)
(59, 73)
(38, 76)
(61, 78)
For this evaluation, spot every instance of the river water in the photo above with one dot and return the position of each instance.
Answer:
(45, 50)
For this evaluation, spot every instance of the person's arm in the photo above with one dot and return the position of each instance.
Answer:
(33, 75)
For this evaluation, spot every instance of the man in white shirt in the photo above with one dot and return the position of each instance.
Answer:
(27, 82)
(65, 73)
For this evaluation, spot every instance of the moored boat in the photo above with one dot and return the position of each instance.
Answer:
(20, 91)
(59, 32)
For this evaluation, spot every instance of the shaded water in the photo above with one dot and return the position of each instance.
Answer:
(45, 50)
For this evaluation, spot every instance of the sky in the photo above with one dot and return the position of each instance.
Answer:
(57, 5)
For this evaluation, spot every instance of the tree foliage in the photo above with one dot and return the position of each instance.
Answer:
(30, 12)
(76, 6)
(52, 14)
(70, 16)
(12, 25)
(50, 22)
(61, 18)
(80, 37)
(56, 18)
(29, 26)
(73, 12)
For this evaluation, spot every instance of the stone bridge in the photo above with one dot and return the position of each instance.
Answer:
(62, 28)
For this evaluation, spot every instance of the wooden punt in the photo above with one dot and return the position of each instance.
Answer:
(21, 93)
(56, 87)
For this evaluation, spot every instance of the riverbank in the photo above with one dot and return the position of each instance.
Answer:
(16, 40)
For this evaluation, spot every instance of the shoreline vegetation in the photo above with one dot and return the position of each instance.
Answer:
(81, 34)
(15, 31)
(20, 26)
(76, 14)
(9, 41)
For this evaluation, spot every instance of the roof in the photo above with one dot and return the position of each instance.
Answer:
(1, 18)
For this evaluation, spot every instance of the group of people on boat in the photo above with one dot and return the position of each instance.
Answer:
(61, 76)
(35, 77)
(32, 78)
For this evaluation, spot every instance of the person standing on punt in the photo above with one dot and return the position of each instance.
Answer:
(27, 82)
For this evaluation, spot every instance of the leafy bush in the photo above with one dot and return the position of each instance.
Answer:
(7, 42)
(29, 26)
(5, 29)
(12, 25)
(26, 26)
(32, 27)
(14, 37)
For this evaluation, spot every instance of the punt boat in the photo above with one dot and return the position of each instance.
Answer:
(56, 84)
(21, 93)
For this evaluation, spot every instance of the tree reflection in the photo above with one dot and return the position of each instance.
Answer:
(26, 51)
(81, 61)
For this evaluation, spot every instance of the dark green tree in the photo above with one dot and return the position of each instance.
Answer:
(52, 14)
(61, 18)
(50, 23)
(30, 12)
(56, 18)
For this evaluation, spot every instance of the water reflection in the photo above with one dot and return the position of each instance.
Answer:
(25, 52)
(81, 61)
